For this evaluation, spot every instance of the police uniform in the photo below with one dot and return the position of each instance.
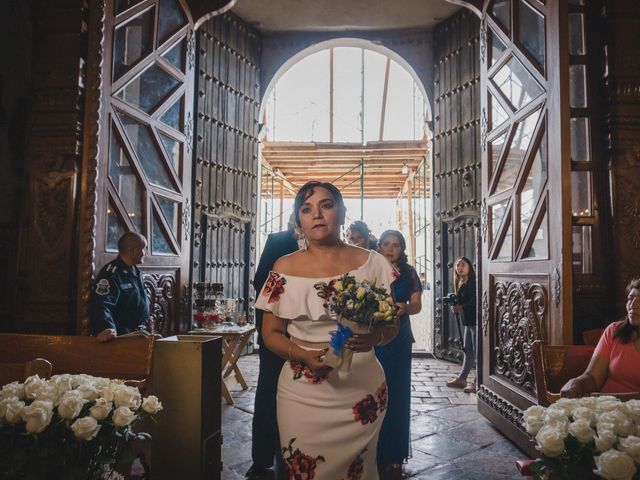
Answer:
(118, 299)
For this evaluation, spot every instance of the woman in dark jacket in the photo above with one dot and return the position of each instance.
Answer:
(395, 358)
(464, 281)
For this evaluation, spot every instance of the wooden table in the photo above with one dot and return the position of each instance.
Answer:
(234, 339)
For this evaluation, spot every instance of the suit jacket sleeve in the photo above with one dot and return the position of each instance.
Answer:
(265, 264)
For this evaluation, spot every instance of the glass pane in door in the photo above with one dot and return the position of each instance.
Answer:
(149, 89)
(580, 140)
(540, 245)
(517, 84)
(531, 31)
(501, 11)
(126, 182)
(132, 41)
(174, 117)
(176, 55)
(115, 228)
(533, 187)
(171, 19)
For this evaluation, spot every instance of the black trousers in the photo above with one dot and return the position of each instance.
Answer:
(265, 440)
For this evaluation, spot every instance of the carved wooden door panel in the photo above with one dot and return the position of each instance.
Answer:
(456, 165)
(145, 173)
(526, 214)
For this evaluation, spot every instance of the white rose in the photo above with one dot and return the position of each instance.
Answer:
(585, 413)
(532, 419)
(551, 440)
(123, 416)
(622, 424)
(85, 428)
(633, 409)
(588, 402)
(100, 382)
(13, 389)
(555, 414)
(605, 440)
(13, 410)
(125, 396)
(48, 392)
(62, 383)
(615, 465)
(33, 385)
(89, 391)
(108, 393)
(151, 404)
(568, 405)
(581, 430)
(607, 403)
(37, 415)
(101, 409)
(71, 404)
(631, 446)
(82, 379)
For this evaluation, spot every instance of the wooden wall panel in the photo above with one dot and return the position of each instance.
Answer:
(456, 163)
(226, 151)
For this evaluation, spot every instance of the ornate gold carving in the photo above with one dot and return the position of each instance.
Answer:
(520, 312)
(160, 290)
(91, 153)
(485, 313)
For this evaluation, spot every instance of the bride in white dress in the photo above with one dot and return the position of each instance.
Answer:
(328, 419)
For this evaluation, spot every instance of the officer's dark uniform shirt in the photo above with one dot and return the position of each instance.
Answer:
(118, 299)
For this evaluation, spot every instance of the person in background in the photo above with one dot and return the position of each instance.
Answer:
(358, 234)
(265, 442)
(613, 368)
(464, 283)
(118, 302)
(395, 357)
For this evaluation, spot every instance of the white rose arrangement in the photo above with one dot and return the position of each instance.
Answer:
(70, 426)
(586, 438)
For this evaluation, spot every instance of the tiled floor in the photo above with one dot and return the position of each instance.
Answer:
(450, 439)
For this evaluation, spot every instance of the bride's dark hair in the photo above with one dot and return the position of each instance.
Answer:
(307, 190)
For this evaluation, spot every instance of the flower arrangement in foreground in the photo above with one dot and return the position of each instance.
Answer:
(359, 307)
(70, 426)
(586, 438)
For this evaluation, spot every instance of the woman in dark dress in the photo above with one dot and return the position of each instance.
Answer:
(464, 280)
(395, 357)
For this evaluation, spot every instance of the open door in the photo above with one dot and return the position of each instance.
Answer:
(525, 212)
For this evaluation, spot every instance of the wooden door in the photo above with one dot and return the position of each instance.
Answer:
(526, 217)
(456, 165)
(144, 176)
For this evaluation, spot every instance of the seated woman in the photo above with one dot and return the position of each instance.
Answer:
(613, 368)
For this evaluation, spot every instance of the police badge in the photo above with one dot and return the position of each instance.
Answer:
(102, 287)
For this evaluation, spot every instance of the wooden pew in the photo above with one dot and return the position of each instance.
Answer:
(11, 372)
(128, 358)
(554, 365)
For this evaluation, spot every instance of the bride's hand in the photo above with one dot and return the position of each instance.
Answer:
(314, 359)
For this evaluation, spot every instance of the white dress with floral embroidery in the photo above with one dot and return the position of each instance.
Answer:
(328, 425)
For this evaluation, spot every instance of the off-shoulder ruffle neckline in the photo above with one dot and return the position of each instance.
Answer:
(371, 254)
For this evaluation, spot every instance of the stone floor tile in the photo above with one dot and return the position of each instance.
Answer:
(443, 446)
(426, 424)
(479, 432)
(419, 462)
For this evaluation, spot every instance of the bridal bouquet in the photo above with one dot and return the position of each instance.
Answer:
(358, 307)
(71, 426)
(586, 438)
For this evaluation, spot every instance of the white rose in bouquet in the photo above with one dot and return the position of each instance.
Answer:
(89, 391)
(71, 404)
(37, 415)
(125, 396)
(86, 428)
(123, 416)
(631, 446)
(615, 465)
(48, 392)
(622, 424)
(605, 439)
(108, 393)
(584, 413)
(553, 414)
(533, 419)
(100, 382)
(151, 404)
(62, 383)
(11, 409)
(101, 409)
(13, 389)
(567, 405)
(607, 403)
(633, 409)
(581, 430)
(33, 385)
(550, 440)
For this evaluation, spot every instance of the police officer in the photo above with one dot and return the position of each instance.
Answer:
(119, 303)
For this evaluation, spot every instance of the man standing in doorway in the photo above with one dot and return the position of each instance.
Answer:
(265, 441)
(119, 302)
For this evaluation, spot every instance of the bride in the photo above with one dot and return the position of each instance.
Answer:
(328, 419)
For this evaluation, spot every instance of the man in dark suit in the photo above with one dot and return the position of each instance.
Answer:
(265, 441)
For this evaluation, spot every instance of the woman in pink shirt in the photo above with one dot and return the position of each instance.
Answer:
(613, 367)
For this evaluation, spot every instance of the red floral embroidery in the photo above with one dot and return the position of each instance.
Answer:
(356, 469)
(382, 396)
(300, 370)
(325, 291)
(366, 410)
(300, 466)
(274, 287)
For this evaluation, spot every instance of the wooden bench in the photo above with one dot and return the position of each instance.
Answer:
(126, 358)
(11, 372)
(554, 365)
